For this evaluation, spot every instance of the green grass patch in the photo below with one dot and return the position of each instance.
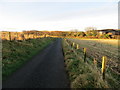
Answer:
(17, 53)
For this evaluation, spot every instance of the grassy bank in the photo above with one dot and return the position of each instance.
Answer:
(85, 74)
(17, 53)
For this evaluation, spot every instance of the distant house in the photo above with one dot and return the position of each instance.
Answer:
(109, 31)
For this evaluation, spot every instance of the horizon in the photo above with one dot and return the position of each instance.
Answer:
(58, 16)
(57, 30)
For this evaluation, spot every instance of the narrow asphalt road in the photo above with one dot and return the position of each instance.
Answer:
(45, 70)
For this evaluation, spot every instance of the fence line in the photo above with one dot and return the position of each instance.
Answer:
(104, 58)
(99, 61)
(20, 36)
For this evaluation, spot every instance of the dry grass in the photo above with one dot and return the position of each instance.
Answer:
(113, 42)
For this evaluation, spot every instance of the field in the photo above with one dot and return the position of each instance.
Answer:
(88, 74)
(17, 53)
(96, 48)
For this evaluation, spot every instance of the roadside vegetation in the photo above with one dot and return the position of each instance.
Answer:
(17, 53)
(88, 74)
(90, 32)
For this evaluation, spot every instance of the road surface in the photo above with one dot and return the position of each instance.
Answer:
(45, 70)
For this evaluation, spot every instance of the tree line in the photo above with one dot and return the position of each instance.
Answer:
(90, 32)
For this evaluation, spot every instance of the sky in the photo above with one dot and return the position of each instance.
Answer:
(18, 15)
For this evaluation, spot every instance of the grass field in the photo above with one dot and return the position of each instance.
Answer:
(87, 74)
(17, 53)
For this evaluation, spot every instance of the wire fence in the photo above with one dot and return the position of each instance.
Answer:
(84, 54)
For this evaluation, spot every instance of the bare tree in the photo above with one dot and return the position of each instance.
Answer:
(91, 31)
(90, 28)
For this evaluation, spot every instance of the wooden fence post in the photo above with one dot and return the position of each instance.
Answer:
(84, 50)
(36, 35)
(28, 35)
(45, 36)
(77, 47)
(10, 36)
(23, 36)
(73, 44)
(32, 36)
(17, 36)
(104, 60)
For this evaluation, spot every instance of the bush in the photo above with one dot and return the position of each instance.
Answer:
(105, 36)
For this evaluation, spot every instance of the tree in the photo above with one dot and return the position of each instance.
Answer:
(90, 28)
(91, 31)
(82, 34)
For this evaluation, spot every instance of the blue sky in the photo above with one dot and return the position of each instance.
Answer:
(17, 16)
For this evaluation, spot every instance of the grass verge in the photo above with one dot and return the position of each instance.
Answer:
(85, 74)
(17, 53)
